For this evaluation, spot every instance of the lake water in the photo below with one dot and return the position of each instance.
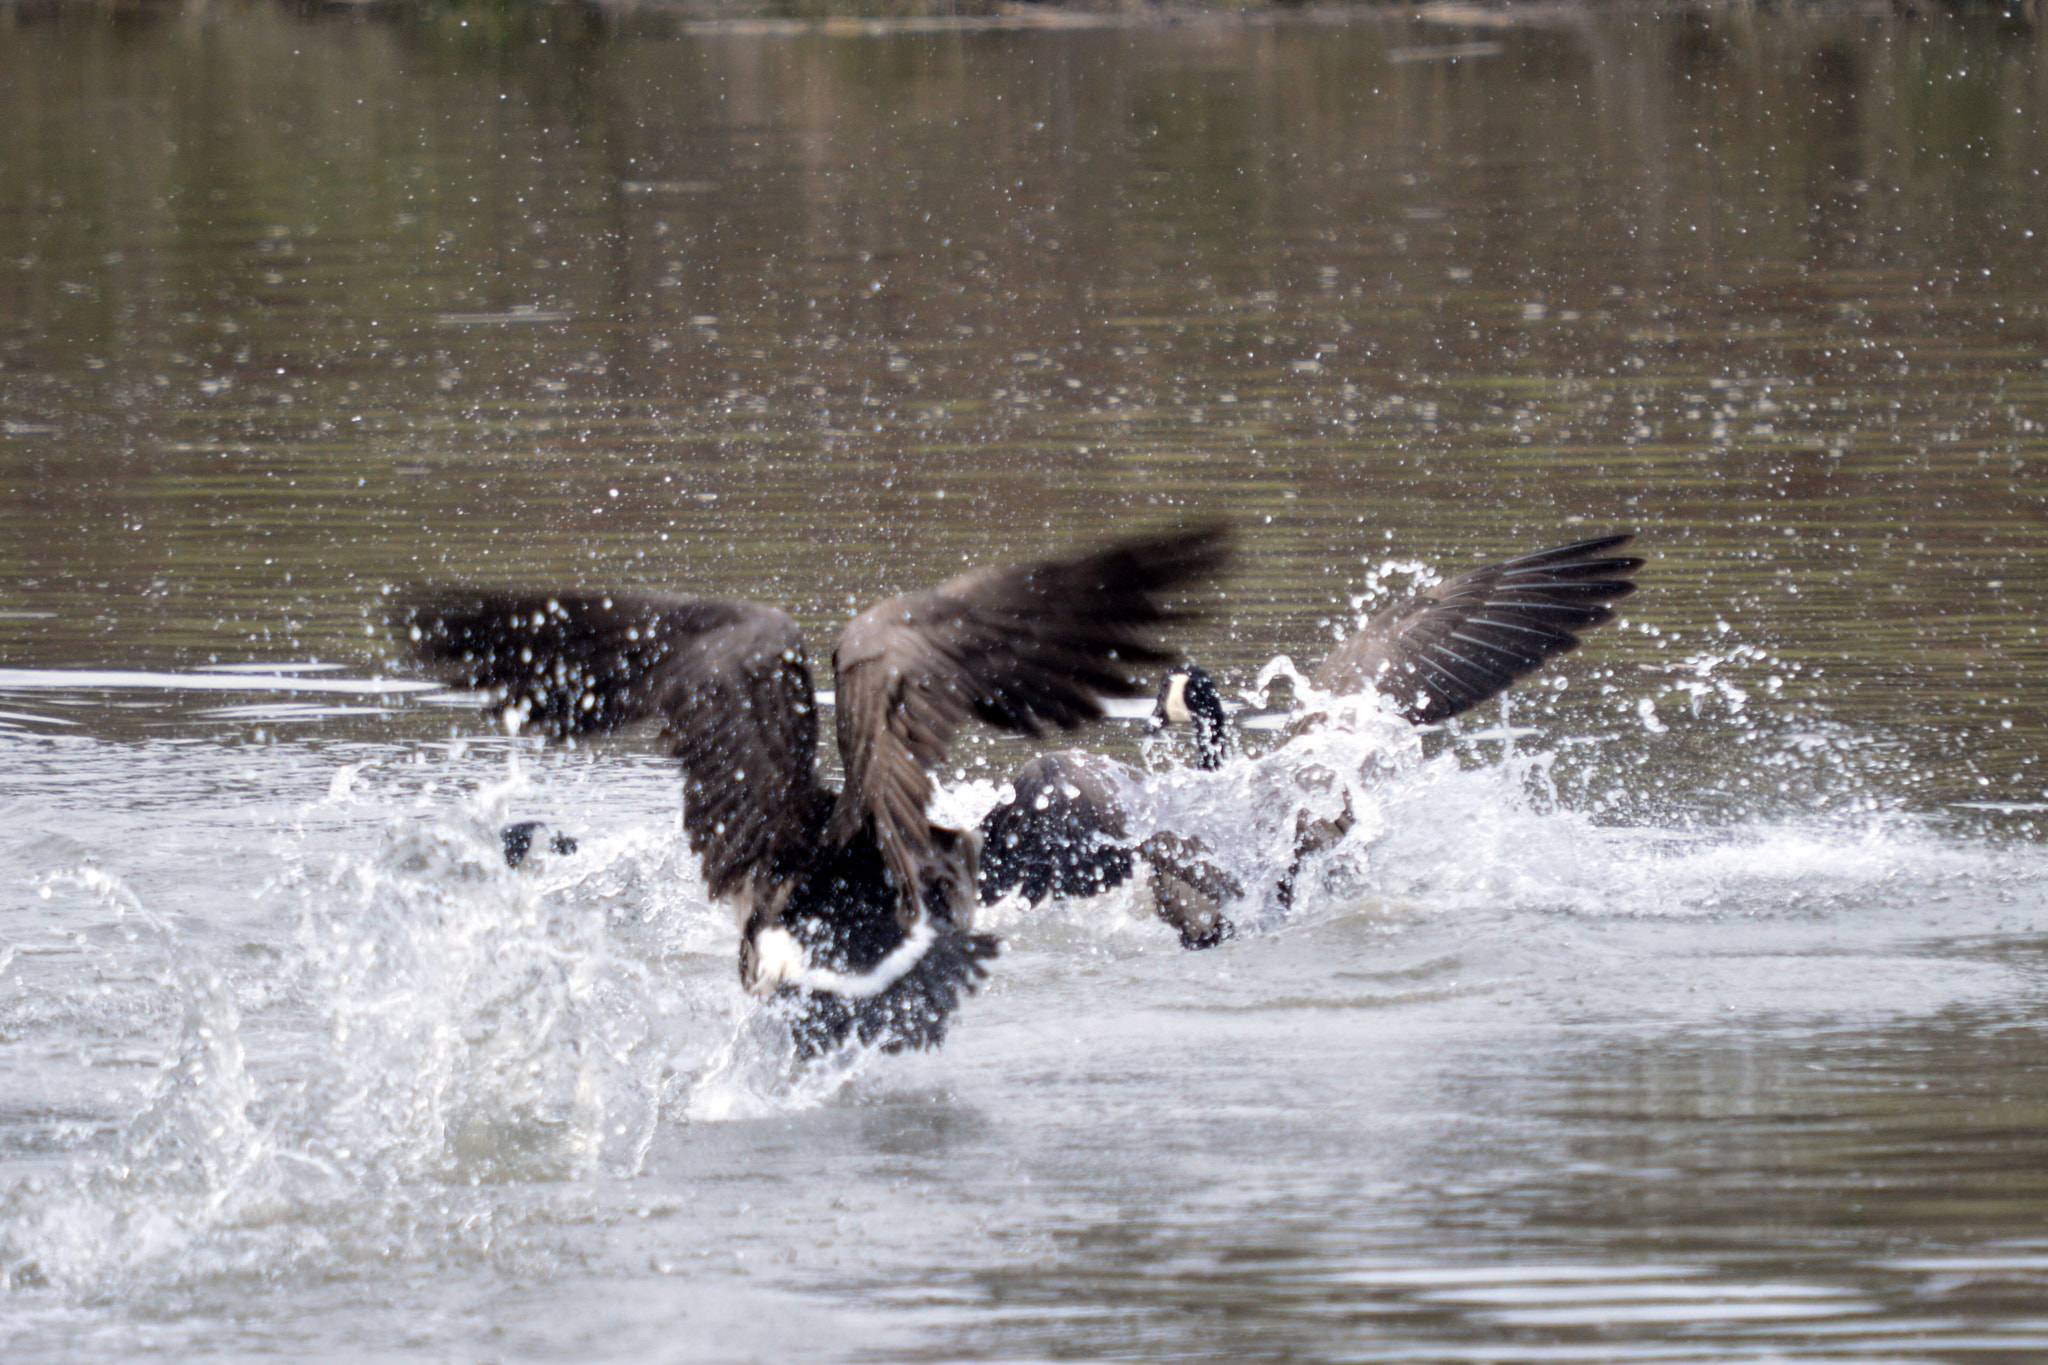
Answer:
(1693, 1013)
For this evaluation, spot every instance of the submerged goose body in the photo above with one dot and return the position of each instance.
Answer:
(1060, 832)
(1433, 656)
(520, 839)
(855, 909)
(1064, 830)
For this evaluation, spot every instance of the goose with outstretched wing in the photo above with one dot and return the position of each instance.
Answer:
(1433, 656)
(854, 907)
(1450, 647)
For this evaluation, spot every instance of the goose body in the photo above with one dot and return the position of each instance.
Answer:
(1433, 656)
(855, 909)
(1061, 832)
(1063, 828)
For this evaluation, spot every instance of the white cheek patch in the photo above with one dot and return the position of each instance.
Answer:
(1177, 712)
(778, 957)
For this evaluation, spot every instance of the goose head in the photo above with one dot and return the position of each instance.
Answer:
(1188, 696)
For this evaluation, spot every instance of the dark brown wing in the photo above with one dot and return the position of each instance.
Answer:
(729, 679)
(1446, 650)
(1020, 648)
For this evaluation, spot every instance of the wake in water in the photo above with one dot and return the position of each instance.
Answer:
(411, 1051)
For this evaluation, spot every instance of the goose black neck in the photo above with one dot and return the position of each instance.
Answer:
(1212, 741)
(1188, 696)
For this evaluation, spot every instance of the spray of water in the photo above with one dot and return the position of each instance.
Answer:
(439, 1056)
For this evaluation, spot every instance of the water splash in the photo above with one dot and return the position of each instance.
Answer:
(755, 1074)
(434, 1023)
(501, 1034)
(1794, 812)
(446, 1058)
(194, 1157)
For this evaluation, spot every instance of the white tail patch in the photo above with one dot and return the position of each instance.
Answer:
(778, 957)
(849, 985)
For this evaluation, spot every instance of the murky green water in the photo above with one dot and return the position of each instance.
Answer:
(1715, 1035)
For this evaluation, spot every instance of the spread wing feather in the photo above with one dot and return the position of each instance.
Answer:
(729, 679)
(1021, 648)
(1449, 648)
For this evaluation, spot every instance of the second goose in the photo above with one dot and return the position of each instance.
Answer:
(1067, 831)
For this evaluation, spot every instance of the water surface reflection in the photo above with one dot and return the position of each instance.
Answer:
(1692, 1017)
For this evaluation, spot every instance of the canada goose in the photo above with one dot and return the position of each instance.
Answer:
(854, 909)
(1064, 830)
(1439, 653)
(1061, 832)
(1434, 656)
